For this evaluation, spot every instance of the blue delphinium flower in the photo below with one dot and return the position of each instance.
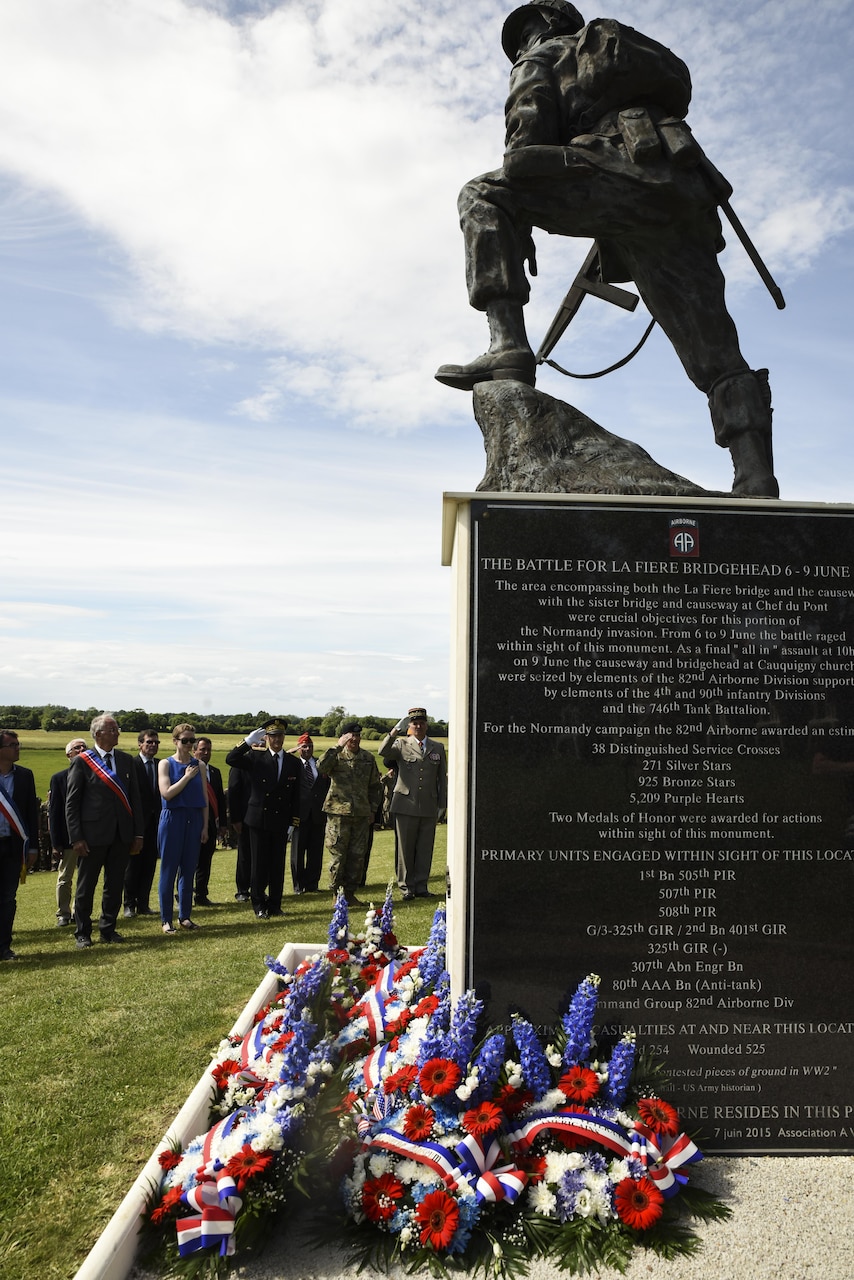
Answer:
(535, 1066)
(387, 915)
(578, 1021)
(620, 1070)
(489, 1062)
(432, 1045)
(459, 1041)
(432, 963)
(571, 1182)
(339, 923)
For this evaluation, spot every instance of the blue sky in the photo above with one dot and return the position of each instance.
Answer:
(229, 267)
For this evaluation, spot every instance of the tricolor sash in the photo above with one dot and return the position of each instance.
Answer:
(96, 764)
(10, 811)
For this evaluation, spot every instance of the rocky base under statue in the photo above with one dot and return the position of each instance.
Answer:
(537, 444)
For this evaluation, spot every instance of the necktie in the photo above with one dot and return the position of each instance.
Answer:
(149, 768)
(277, 760)
(108, 761)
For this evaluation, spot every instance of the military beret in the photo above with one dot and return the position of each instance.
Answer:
(350, 726)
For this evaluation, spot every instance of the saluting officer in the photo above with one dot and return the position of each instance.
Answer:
(419, 799)
(272, 808)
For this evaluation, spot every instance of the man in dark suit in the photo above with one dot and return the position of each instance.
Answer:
(104, 815)
(216, 820)
(59, 842)
(273, 806)
(307, 838)
(139, 875)
(19, 827)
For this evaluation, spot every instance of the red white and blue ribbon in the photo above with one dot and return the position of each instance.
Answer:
(214, 1198)
(660, 1156)
(476, 1164)
(668, 1157)
(216, 1208)
(491, 1180)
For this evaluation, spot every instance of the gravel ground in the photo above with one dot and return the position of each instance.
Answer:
(792, 1218)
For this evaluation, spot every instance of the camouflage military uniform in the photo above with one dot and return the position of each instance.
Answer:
(353, 796)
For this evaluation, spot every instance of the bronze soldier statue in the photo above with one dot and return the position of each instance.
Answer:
(597, 146)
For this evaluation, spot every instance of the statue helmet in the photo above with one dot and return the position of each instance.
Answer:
(560, 8)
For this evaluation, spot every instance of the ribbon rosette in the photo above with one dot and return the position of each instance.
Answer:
(668, 1156)
(217, 1205)
(490, 1180)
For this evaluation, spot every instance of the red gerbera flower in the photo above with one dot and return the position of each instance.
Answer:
(426, 1007)
(639, 1203)
(169, 1159)
(370, 972)
(337, 955)
(483, 1119)
(400, 1080)
(223, 1071)
(439, 1076)
(379, 1195)
(511, 1100)
(418, 1124)
(579, 1083)
(437, 1216)
(659, 1115)
(247, 1164)
(400, 1023)
(167, 1204)
(277, 1045)
(534, 1166)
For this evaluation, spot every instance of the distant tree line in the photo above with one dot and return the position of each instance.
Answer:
(53, 718)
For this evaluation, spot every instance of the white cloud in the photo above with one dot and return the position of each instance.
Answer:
(288, 178)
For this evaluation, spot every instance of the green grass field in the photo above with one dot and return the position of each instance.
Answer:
(100, 1048)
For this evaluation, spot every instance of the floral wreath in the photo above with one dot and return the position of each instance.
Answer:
(364, 1086)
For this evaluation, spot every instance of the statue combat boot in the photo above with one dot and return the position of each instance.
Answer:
(740, 405)
(509, 355)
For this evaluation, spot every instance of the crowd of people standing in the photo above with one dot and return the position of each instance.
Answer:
(112, 817)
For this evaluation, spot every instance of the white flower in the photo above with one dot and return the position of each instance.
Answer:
(463, 1092)
(584, 1203)
(550, 1101)
(411, 1171)
(379, 1164)
(405, 1237)
(559, 1162)
(542, 1200)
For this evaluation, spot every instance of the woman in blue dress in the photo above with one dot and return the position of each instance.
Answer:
(182, 827)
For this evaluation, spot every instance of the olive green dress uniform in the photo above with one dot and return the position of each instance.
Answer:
(354, 793)
(420, 792)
